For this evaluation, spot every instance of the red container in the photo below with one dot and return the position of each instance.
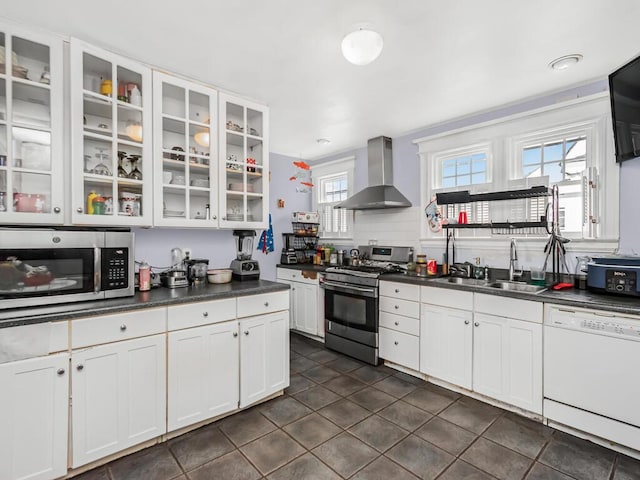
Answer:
(29, 202)
(432, 266)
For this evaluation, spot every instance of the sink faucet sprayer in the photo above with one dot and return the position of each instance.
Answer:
(513, 261)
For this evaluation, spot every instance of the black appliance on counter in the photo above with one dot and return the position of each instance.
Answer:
(617, 274)
(351, 299)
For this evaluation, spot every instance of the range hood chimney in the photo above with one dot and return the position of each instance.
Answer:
(380, 193)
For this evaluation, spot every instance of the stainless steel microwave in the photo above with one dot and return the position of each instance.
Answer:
(42, 266)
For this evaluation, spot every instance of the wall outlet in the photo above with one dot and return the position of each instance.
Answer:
(187, 253)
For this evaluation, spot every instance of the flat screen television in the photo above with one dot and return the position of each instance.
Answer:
(624, 90)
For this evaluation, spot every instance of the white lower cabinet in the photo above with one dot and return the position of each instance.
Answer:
(306, 303)
(446, 344)
(34, 418)
(203, 369)
(264, 356)
(507, 360)
(118, 395)
(467, 340)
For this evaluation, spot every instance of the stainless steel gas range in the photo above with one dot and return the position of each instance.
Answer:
(351, 301)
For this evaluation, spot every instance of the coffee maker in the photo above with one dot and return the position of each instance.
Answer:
(243, 267)
(288, 255)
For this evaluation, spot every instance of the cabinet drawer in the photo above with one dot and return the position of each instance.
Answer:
(400, 290)
(446, 297)
(400, 348)
(304, 276)
(120, 326)
(264, 303)
(400, 323)
(201, 313)
(400, 307)
(527, 310)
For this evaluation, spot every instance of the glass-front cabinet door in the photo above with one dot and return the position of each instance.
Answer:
(244, 163)
(185, 153)
(111, 138)
(31, 127)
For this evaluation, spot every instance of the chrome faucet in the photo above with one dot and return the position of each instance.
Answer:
(513, 261)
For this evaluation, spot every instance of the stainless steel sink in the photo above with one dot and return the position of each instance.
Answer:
(517, 286)
(496, 284)
(467, 281)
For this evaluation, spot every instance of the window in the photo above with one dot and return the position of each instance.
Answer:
(560, 156)
(333, 184)
(466, 168)
(568, 145)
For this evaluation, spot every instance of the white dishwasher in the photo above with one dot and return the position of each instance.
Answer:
(592, 373)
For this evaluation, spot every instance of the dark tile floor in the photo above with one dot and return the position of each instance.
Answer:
(342, 419)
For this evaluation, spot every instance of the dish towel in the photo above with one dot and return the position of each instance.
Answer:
(266, 239)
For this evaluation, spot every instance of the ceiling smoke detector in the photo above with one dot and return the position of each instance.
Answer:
(565, 62)
(362, 46)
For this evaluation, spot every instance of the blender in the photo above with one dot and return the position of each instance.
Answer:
(243, 267)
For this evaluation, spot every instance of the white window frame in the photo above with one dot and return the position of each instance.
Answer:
(590, 128)
(330, 169)
(440, 157)
(507, 134)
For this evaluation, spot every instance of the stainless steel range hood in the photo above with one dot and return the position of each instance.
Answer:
(380, 193)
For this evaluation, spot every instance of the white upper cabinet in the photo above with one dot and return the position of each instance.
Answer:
(185, 147)
(31, 127)
(111, 144)
(244, 163)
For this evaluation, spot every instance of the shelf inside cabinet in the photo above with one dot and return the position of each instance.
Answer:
(239, 173)
(466, 197)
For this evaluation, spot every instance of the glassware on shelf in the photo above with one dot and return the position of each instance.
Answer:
(135, 173)
(101, 168)
(87, 162)
(3, 202)
(122, 173)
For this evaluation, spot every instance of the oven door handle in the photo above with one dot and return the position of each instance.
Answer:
(347, 288)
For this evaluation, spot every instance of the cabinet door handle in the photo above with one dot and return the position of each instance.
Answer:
(80, 367)
(292, 289)
(397, 290)
(205, 314)
(246, 332)
(123, 327)
(79, 209)
(476, 324)
(56, 210)
(395, 343)
(396, 307)
(566, 310)
(215, 217)
(466, 322)
(397, 323)
(266, 304)
(235, 334)
(60, 372)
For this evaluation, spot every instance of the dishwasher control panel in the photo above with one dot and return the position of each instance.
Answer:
(595, 323)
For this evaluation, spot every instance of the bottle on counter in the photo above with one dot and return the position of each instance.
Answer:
(144, 277)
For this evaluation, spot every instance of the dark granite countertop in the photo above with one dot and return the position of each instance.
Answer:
(155, 298)
(570, 297)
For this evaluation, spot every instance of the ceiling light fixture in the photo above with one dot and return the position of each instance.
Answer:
(565, 62)
(323, 141)
(362, 46)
